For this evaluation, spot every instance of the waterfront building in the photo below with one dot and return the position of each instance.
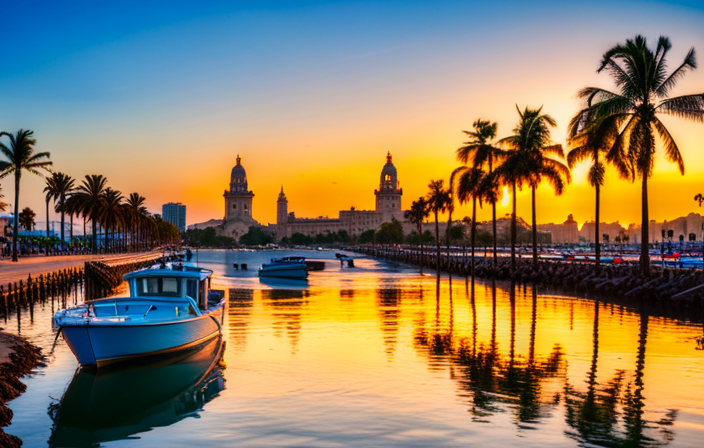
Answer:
(353, 221)
(238, 199)
(567, 232)
(175, 213)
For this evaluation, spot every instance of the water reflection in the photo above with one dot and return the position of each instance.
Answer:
(613, 416)
(287, 306)
(116, 404)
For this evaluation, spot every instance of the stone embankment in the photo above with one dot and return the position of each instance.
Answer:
(673, 285)
(17, 359)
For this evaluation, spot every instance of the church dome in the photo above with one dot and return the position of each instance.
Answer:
(389, 177)
(238, 177)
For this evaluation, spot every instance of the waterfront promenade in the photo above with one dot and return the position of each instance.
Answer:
(36, 265)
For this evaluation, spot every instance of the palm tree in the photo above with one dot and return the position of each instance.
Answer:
(438, 201)
(91, 197)
(479, 151)
(418, 212)
(643, 86)
(543, 158)
(63, 185)
(592, 143)
(111, 214)
(26, 218)
(49, 190)
(137, 212)
(20, 157)
(470, 186)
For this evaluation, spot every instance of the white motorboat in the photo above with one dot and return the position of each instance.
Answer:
(287, 267)
(170, 308)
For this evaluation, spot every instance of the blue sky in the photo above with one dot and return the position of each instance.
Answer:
(161, 96)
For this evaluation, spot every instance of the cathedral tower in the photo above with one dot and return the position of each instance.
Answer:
(388, 196)
(238, 200)
(281, 215)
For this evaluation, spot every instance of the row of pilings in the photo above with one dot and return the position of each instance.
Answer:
(56, 284)
(673, 287)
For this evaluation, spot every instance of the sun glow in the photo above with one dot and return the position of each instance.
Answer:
(505, 197)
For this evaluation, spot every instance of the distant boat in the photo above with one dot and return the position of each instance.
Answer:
(287, 267)
(170, 308)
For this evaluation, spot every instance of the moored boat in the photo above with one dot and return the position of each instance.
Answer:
(170, 308)
(287, 267)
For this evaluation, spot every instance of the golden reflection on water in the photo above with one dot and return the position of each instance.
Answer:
(380, 356)
(594, 372)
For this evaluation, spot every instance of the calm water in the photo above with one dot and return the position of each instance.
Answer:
(379, 356)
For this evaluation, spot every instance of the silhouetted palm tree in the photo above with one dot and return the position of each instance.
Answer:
(137, 215)
(643, 87)
(20, 157)
(438, 201)
(592, 143)
(471, 182)
(532, 136)
(64, 185)
(48, 196)
(111, 215)
(479, 152)
(26, 218)
(417, 214)
(90, 196)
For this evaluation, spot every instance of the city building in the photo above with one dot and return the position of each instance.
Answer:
(175, 213)
(353, 221)
(567, 232)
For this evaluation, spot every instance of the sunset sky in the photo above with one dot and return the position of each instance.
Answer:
(161, 97)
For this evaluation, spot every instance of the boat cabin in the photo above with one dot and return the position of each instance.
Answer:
(179, 281)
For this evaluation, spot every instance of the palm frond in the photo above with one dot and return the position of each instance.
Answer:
(672, 152)
(690, 62)
(690, 107)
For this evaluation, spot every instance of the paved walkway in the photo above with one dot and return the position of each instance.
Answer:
(41, 264)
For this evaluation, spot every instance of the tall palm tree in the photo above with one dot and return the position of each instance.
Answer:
(137, 212)
(111, 214)
(90, 196)
(470, 186)
(20, 157)
(48, 196)
(592, 143)
(438, 201)
(417, 214)
(543, 158)
(480, 152)
(26, 218)
(63, 185)
(643, 83)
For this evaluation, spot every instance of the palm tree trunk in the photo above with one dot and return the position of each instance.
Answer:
(84, 231)
(535, 231)
(63, 222)
(47, 217)
(437, 242)
(597, 243)
(15, 219)
(94, 237)
(420, 229)
(70, 230)
(493, 216)
(645, 237)
(513, 231)
(474, 230)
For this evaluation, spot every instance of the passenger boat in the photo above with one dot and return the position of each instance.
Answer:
(287, 267)
(170, 308)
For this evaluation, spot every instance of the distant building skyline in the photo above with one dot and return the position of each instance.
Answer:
(175, 213)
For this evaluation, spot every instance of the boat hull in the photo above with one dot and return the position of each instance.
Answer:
(297, 272)
(102, 344)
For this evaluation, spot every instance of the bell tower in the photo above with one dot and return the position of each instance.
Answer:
(388, 196)
(281, 215)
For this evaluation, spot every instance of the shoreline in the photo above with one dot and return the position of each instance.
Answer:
(18, 358)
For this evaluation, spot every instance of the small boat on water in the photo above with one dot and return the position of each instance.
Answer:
(286, 267)
(170, 308)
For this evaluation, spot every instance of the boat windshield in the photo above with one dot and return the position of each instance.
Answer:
(159, 286)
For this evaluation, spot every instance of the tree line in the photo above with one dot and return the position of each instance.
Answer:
(614, 127)
(124, 222)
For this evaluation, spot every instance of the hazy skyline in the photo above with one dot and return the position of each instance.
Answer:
(161, 99)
